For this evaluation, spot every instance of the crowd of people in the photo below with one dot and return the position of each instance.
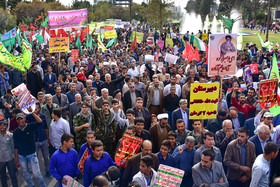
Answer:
(85, 106)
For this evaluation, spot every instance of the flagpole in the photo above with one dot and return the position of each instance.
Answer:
(221, 93)
(59, 58)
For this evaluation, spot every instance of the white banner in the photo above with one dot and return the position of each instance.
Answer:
(171, 58)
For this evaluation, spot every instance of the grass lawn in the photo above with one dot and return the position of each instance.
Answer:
(272, 37)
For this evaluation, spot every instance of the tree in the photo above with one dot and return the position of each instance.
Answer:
(7, 21)
(157, 13)
(201, 7)
(13, 3)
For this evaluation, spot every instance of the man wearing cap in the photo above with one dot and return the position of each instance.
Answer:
(159, 131)
(181, 113)
(6, 155)
(267, 120)
(25, 151)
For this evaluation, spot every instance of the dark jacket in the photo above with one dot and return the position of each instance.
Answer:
(176, 114)
(241, 119)
(146, 116)
(49, 81)
(127, 99)
(214, 125)
(256, 141)
(249, 124)
(233, 159)
(132, 167)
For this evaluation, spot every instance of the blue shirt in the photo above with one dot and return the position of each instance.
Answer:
(62, 164)
(71, 96)
(94, 167)
(83, 148)
(185, 117)
(243, 154)
(184, 161)
(169, 161)
(260, 172)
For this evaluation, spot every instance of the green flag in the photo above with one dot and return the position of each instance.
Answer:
(9, 43)
(227, 23)
(40, 38)
(24, 36)
(22, 62)
(94, 43)
(274, 74)
(111, 42)
(261, 40)
(78, 43)
(18, 37)
(89, 41)
(45, 22)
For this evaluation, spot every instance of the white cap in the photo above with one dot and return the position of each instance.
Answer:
(162, 116)
(113, 63)
(106, 64)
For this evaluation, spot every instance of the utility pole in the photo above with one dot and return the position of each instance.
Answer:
(130, 12)
(5, 4)
(268, 20)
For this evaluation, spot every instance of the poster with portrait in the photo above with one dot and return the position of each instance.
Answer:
(222, 54)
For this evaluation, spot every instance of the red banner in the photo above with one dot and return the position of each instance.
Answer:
(23, 28)
(268, 93)
(128, 147)
(83, 159)
(75, 55)
(254, 68)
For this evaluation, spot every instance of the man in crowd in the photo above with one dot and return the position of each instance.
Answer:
(181, 113)
(61, 100)
(261, 138)
(65, 161)
(209, 171)
(141, 111)
(239, 158)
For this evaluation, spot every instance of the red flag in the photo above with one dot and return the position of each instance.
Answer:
(196, 55)
(189, 52)
(43, 33)
(134, 42)
(52, 33)
(73, 29)
(31, 35)
(83, 34)
(61, 33)
(206, 53)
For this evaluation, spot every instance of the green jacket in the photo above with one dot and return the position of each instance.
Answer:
(44, 110)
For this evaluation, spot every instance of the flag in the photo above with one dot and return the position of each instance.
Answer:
(277, 44)
(9, 43)
(261, 40)
(188, 52)
(39, 19)
(32, 27)
(52, 33)
(61, 33)
(39, 38)
(94, 43)
(83, 34)
(24, 36)
(134, 42)
(22, 62)
(46, 36)
(227, 23)
(271, 44)
(111, 42)
(200, 44)
(196, 55)
(89, 41)
(101, 45)
(78, 43)
(274, 74)
(45, 22)
(18, 37)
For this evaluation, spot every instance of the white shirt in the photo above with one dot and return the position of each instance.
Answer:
(166, 90)
(133, 72)
(57, 129)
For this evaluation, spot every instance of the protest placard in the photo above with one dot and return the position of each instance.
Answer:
(128, 147)
(248, 77)
(110, 34)
(268, 93)
(24, 98)
(71, 182)
(168, 176)
(254, 68)
(171, 58)
(204, 100)
(160, 44)
(58, 45)
(222, 54)
(23, 28)
(149, 58)
(71, 18)
(74, 55)
(12, 33)
(109, 27)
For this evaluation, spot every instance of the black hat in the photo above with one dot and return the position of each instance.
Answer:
(116, 92)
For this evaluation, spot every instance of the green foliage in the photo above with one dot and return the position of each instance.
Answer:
(157, 13)
(13, 3)
(201, 7)
(7, 21)
(26, 21)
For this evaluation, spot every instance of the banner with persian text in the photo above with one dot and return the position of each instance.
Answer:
(204, 100)
(64, 19)
(222, 54)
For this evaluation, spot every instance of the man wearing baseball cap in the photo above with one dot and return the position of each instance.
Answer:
(25, 152)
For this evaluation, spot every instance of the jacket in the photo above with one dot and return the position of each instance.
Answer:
(257, 143)
(132, 167)
(201, 175)
(145, 115)
(233, 159)
(127, 99)
(140, 178)
(64, 103)
(49, 81)
(45, 111)
(176, 114)
(151, 90)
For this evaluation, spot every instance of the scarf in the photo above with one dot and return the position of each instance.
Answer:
(88, 116)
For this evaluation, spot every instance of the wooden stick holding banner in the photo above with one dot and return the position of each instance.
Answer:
(221, 94)
(59, 58)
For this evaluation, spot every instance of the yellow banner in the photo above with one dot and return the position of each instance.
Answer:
(110, 34)
(204, 100)
(59, 45)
